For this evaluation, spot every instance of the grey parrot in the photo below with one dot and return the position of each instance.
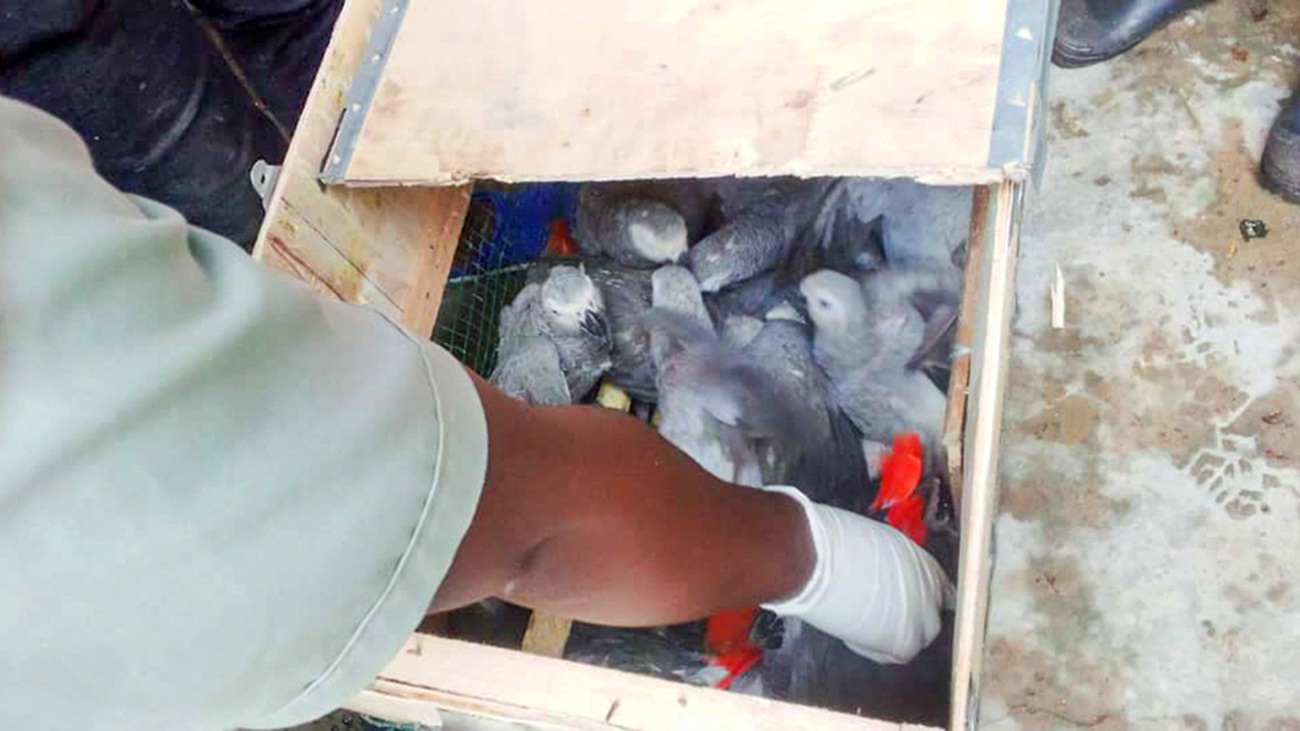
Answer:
(844, 241)
(933, 289)
(814, 668)
(674, 290)
(840, 239)
(685, 349)
(835, 239)
(627, 294)
(922, 222)
(811, 666)
(825, 461)
(568, 311)
(640, 223)
(718, 406)
(739, 330)
(759, 236)
(752, 297)
(865, 348)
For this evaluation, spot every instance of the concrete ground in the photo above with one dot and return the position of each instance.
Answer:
(1148, 541)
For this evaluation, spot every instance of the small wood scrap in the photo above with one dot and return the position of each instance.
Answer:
(613, 397)
(547, 634)
(1058, 300)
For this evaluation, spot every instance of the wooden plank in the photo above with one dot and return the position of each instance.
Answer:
(983, 441)
(397, 708)
(401, 696)
(543, 692)
(313, 258)
(443, 212)
(547, 634)
(586, 89)
(959, 382)
(391, 248)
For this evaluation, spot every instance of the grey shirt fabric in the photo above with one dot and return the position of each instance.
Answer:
(224, 502)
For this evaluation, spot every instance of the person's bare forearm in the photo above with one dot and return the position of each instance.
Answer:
(589, 514)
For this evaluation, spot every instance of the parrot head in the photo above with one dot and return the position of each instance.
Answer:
(574, 304)
(657, 231)
(835, 301)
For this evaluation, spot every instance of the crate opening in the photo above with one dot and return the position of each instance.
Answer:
(513, 232)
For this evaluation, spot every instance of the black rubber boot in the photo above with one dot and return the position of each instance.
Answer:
(1281, 163)
(277, 45)
(162, 114)
(1092, 31)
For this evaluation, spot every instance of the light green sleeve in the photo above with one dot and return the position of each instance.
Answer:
(223, 501)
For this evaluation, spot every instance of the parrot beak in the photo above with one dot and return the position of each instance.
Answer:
(799, 301)
(595, 325)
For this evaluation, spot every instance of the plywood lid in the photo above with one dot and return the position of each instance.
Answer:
(943, 90)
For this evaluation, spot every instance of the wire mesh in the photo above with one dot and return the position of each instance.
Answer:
(505, 228)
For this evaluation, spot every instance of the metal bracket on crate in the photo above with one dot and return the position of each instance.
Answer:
(1018, 144)
(362, 91)
(264, 176)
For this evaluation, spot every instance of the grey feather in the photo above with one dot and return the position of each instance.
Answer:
(674, 290)
(680, 339)
(840, 239)
(813, 668)
(734, 194)
(531, 372)
(627, 294)
(694, 198)
(717, 405)
(752, 297)
(758, 236)
(673, 653)
(922, 222)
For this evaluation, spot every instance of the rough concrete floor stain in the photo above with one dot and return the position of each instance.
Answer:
(1148, 543)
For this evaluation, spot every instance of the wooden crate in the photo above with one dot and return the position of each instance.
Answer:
(944, 91)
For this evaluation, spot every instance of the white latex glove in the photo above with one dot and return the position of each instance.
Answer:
(871, 587)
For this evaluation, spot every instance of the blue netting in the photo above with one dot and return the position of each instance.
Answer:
(517, 226)
(506, 227)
